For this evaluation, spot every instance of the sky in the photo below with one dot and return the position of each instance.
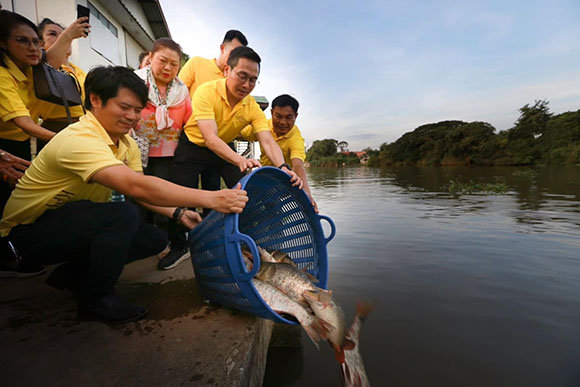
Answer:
(366, 72)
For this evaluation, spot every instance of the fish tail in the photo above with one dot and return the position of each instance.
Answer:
(353, 376)
(338, 353)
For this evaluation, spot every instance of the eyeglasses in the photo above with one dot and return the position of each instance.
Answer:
(243, 77)
(26, 42)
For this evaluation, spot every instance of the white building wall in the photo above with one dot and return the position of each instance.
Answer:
(26, 8)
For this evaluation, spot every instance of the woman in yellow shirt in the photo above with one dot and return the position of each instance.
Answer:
(19, 51)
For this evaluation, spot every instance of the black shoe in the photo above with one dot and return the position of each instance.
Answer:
(20, 270)
(62, 278)
(173, 258)
(111, 309)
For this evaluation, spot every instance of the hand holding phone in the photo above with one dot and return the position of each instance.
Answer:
(84, 26)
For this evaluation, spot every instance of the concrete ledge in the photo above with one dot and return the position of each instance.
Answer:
(182, 341)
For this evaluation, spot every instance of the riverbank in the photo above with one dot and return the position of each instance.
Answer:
(182, 341)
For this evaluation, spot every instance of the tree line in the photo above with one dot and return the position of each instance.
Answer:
(537, 137)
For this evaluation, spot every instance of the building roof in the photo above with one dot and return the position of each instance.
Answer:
(156, 18)
(153, 14)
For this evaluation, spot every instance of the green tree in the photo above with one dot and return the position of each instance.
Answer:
(321, 148)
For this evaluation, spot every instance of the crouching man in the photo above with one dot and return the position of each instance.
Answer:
(60, 209)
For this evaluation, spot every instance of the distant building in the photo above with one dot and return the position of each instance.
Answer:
(362, 156)
(120, 29)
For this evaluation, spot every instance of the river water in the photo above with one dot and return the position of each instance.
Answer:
(470, 290)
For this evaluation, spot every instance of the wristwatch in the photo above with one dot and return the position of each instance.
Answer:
(177, 214)
(285, 165)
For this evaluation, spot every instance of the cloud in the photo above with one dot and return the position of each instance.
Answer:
(369, 72)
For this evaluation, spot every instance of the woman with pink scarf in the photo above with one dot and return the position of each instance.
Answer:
(167, 110)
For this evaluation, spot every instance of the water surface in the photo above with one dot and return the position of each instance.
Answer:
(478, 290)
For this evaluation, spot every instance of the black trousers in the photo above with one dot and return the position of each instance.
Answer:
(189, 162)
(16, 148)
(97, 239)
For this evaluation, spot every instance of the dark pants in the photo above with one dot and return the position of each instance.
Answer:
(159, 167)
(16, 148)
(189, 162)
(96, 239)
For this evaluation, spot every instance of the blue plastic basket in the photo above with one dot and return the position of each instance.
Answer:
(276, 217)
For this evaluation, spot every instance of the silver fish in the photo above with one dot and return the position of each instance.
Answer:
(315, 327)
(353, 372)
(290, 280)
(324, 306)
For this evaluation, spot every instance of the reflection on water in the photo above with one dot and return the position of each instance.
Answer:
(471, 290)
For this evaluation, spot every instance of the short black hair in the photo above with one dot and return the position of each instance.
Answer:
(105, 82)
(285, 100)
(46, 21)
(235, 34)
(8, 22)
(243, 52)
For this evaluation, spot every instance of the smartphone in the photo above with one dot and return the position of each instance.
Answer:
(83, 11)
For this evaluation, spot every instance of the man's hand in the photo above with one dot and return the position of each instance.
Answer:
(294, 179)
(245, 164)
(230, 200)
(189, 219)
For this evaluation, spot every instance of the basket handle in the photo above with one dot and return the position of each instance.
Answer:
(250, 242)
(332, 227)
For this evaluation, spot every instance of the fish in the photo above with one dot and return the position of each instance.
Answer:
(290, 280)
(315, 327)
(353, 372)
(324, 306)
(265, 256)
(282, 257)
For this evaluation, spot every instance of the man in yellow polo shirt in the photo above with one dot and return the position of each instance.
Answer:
(221, 109)
(61, 209)
(198, 71)
(287, 136)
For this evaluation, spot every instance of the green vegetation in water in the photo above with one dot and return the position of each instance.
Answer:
(531, 173)
(456, 187)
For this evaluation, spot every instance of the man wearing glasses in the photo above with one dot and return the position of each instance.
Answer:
(221, 109)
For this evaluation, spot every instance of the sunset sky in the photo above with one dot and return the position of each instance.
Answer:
(367, 72)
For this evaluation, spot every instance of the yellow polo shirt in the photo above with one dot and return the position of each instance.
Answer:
(210, 102)
(197, 71)
(291, 144)
(51, 111)
(17, 99)
(61, 172)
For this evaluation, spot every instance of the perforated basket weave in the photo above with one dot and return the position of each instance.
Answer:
(276, 217)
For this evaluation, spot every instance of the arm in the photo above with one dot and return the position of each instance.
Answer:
(57, 54)
(209, 130)
(31, 128)
(158, 192)
(274, 153)
(188, 219)
(298, 167)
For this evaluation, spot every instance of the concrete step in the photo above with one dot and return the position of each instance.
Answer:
(182, 341)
